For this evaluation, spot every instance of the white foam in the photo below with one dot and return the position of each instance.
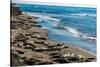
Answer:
(73, 31)
(90, 38)
(76, 33)
(46, 18)
(43, 17)
(83, 14)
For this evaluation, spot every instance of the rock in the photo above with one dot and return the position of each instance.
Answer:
(23, 58)
(28, 47)
(62, 45)
(39, 42)
(73, 59)
(53, 49)
(39, 49)
(21, 38)
(36, 36)
(25, 44)
(29, 62)
(45, 43)
(80, 56)
(65, 47)
(56, 56)
(91, 58)
(18, 45)
(20, 52)
(59, 44)
(73, 55)
(32, 45)
(67, 55)
(61, 60)
(42, 63)
(29, 17)
(53, 53)
(13, 42)
(34, 25)
(42, 38)
(28, 34)
(51, 46)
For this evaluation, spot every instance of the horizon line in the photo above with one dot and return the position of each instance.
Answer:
(55, 4)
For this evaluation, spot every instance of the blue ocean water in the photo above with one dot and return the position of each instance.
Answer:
(72, 25)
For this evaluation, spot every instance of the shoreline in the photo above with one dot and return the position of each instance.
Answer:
(68, 45)
(79, 48)
(81, 36)
(30, 45)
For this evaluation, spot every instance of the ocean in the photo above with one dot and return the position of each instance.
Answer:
(75, 26)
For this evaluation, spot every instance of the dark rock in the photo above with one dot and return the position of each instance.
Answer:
(59, 44)
(51, 46)
(23, 58)
(42, 38)
(72, 59)
(18, 45)
(29, 62)
(53, 53)
(28, 47)
(56, 56)
(61, 60)
(29, 17)
(20, 52)
(39, 42)
(28, 34)
(34, 25)
(32, 45)
(65, 47)
(35, 60)
(87, 60)
(25, 44)
(53, 49)
(43, 63)
(21, 38)
(13, 42)
(91, 58)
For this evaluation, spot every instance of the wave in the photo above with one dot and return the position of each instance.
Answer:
(76, 33)
(83, 14)
(56, 24)
(43, 17)
(73, 31)
(46, 18)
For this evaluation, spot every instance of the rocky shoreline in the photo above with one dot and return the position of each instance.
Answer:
(31, 46)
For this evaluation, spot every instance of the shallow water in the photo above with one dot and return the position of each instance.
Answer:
(66, 24)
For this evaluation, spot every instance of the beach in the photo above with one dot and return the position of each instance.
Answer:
(30, 45)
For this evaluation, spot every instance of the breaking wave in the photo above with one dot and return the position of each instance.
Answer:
(83, 14)
(76, 33)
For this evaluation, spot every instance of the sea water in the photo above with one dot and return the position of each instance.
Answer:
(75, 26)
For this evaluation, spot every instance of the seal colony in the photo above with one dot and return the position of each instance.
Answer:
(30, 44)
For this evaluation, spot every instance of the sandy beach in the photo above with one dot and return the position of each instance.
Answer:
(30, 45)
